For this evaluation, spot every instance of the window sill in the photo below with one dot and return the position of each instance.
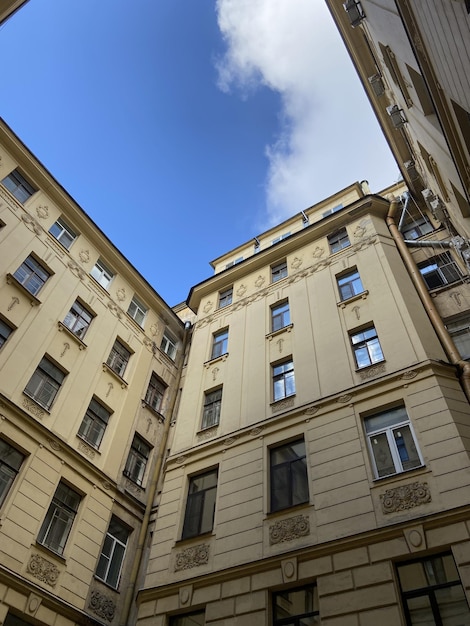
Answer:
(11, 280)
(50, 552)
(167, 357)
(360, 296)
(107, 585)
(437, 290)
(104, 289)
(358, 370)
(108, 369)
(293, 508)
(72, 335)
(393, 477)
(90, 445)
(222, 357)
(274, 333)
(195, 539)
(137, 325)
(133, 482)
(145, 405)
(43, 408)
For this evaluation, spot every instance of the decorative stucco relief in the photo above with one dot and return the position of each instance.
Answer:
(14, 301)
(374, 370)
(289, 529)
(113, 307)
(208, 306)
(121, 294)
(42, 211)
(405, 497)
(241, 290)
(192, 557)
(318, 252)
(33, 408)
(43, 570)
(282, 405)
(259, 282)
(296, 263)
(76, 269)
(84, 256)
(31, 223)
(207, 434)
(102, 605)
(87, 451)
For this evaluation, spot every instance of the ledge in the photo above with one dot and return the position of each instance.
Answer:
(11, 280)
(274, 333)
(115, 375)
(72, 335)
(146, 405)
(222, 357)
(360, 296)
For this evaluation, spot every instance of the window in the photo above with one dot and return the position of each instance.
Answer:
(391, 442)
(10, 463)
(280, 316)
(349, 285)
(338, 240)
(200, 506)
(422, 91)
(219, 343)
(63, 233)
(155, 392)
(102, 274)
(395, 72)
(278, 271)
(112, 554)
(232, 263)
(168, 345)
(280, 238)
(18, 186)
(32, 275)
(288, 476)
(460, 332)
(416, 227)
(59, 518)
(78, 319)
(137, 311)
(137, 460)
(94, 423)
(190, 619)
(335, 209)
(283, 380)
(439, 271)
(118, 358)
(5, 332)
(225, 297)
(296, 607)
(432, 592)
(45, 383)
(366, 347)
(212, 405)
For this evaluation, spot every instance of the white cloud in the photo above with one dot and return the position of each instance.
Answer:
(328, 136)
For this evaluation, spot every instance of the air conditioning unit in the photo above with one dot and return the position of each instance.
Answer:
(377, 84)
(410, 167)
(355, 13)
(396, 115)
(437, 209)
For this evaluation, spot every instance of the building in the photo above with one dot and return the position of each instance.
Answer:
(413, 59)
(90, 362)
(320, 470)
(8, 7)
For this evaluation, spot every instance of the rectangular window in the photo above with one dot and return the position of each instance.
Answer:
(45, 383)
(459, 330)
(10, 463)
(366, 347)
(18, 186)
(439, 271)
(391, 442)
(280, 238)
(5, 332)
(102, 274)
(288, 475)
(112, 554)
(190, 619)
(63, 233)
(349, 285)
(416, 226)
(219, 343)
(168, 346)
(32, 275)
(283, 380)
(212, 406)
(338, 240)
(200, 505)
(94, 423)
(280, 316)
(118, 358)
(137, 460)
(59, 518)
(432, 592)
(225, 297)
(232, 263)
(137, 311)
(155, 392)
(296, 607)
(78, 319)
(278, 271)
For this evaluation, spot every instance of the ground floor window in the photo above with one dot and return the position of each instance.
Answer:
(296, 607)
(190, 619)
(432, 593)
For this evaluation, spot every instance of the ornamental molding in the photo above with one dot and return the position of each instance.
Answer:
(208, 306)
(259, 282)
(86, 450)
(192, 557)
(296, 263)
(405, 497)
(289, 529)
(241, 290)
(312, 410)
(84, 256)
(55, 445)
(113, 307)
(374, 370)
(33, 408)
(121, 294)
(318, 252)
(42, 211)
(255, 432)
(31, 223)
(207, 434)
(364, 243)
(76, 269)
(102, 605)
(282, 405)
(42, 569)
(408, 375)
(344, 399)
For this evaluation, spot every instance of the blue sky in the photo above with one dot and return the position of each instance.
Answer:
(186, 127)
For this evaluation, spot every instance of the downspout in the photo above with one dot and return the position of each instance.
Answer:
(436, 320)
(126, 611)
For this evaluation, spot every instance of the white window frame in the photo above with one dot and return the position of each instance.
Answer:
(339, 240)
(137, 311)
(368, 343)
(59, 519)
(283, 372)
(225, 297)
(280, 316)
(102, 274)
(137, 460)
(107, 561)
(119, 358)
(169, 345)
(349, 281)
(32, 275)
(212, 408)
(63, 233)
(78, 319)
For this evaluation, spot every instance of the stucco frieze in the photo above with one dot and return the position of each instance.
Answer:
(86, 450)
(84, 256)
(42, 569)
(192, 557)
(33, 408)
(405, 497)
(207, 434)
(282, 405)
(31, 223)
(102, 605)
(42, 211)
(373, 370)
(76, 269)
(289, 529)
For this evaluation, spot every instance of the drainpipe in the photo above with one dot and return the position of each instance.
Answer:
(436, 320)
(126, 611)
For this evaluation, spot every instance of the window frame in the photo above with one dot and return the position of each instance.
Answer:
(94, 423)
(66, 233)
(112, 543)
(187, 619)
(283, 375)
(436, 265)
(18, 186)
(155, 393)
(282, 476)
(225, 297)
(396, 448)
(339, 240)
(6, 330)
(169, 345)
(46, 378)
(35, 275)
(8, 470)
(211, 408)
(78, 321)
(349, 284)
(280, 311)
(119, 358)
(137, 459)
(102, 274)
(139, 313)
(368, 343)
(295, 620)
(200, 505)
(62, 511)
(279, 271)
(219, 344)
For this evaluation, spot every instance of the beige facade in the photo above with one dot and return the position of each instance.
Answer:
(8, 7)
(322, 439)
(89, 371)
